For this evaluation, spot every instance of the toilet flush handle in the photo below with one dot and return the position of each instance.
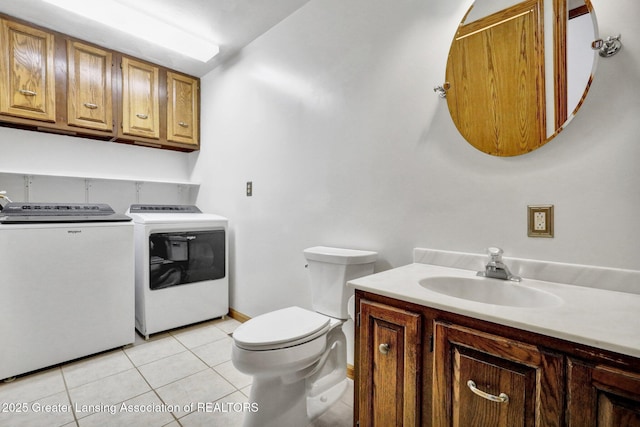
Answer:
(384, 348)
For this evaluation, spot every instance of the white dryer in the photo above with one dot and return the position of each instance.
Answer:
(181, 266)
(66, 283)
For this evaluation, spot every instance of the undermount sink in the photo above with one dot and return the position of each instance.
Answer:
(491, 291)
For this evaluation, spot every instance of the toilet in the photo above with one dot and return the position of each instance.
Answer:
(298, 357)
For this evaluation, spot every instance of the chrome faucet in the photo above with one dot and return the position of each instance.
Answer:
(495, 268)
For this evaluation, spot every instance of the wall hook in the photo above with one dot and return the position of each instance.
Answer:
(608, 47)
(442, 90)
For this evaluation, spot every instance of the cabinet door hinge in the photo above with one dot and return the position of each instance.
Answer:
(431, 343)
(358, 320)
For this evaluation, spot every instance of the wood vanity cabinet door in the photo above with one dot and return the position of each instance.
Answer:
(27, 75)
(389, 371)
(140, 99)
(182, 109)
(601, 396)
(531, 380)
(89, 100)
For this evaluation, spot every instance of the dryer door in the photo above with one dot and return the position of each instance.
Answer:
(179, 258)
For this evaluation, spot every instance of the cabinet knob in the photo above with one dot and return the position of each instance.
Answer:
(183, 124)
(90, 105)
(26, 92)
(501, 398)
(142, 116)
(384, 348)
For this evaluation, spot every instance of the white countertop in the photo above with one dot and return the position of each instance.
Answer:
(600, 318)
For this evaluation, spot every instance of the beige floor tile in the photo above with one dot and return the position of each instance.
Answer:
(52, 411)
(226, 412)
(347, 397)
(171, 368)
(32, 387)
(235, 377)
(155, 337)
(227, 325)
(205, 386)
(145, 410)
(110, 379)
(154, 350)
(93, 368)
(246, 391)
(339, 415)
(216, 352)
(106, 393)
(199, 335)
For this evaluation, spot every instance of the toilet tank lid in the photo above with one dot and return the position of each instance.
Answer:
(339, 255)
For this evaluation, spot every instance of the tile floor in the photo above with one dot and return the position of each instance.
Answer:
(179, 378)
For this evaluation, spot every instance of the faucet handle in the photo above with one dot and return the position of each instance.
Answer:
(495, 254)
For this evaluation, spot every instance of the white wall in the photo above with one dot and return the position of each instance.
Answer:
(42, 167)
(332, 115)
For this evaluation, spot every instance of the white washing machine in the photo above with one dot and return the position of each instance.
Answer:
(181, 266)
(66, 283)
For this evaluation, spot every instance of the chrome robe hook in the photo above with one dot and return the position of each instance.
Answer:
(608, 47)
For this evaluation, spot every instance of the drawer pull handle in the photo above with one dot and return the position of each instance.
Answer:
(384, 348)
(26, 92)
(501, 398)
(90, 106)
(142, 116)
(183, 124)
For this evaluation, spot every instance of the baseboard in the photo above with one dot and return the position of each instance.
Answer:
(243, 318)
(238, 316)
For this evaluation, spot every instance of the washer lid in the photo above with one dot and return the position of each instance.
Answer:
(281, 328)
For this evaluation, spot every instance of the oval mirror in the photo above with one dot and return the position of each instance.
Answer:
(518, 72)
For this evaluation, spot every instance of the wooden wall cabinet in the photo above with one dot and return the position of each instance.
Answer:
(54, 83)
(27, 75)
(89, 91)
(519, 378)
(182, 108)
(140, 99)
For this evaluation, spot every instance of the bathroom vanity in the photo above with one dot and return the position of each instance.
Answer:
(430, 351)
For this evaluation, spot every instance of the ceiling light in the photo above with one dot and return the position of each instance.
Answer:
(141, 25)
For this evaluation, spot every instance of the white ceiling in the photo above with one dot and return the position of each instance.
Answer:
(232, 24)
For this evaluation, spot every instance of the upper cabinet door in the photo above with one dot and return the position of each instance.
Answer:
(89, 101)
(27, 79)
(140, 99)
(182, 109)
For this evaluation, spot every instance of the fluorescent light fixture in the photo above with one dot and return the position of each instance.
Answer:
(136, 23)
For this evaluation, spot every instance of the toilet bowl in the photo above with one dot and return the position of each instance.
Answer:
(298, 357)
(296, 375)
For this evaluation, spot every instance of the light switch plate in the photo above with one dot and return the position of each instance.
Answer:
(540, 221)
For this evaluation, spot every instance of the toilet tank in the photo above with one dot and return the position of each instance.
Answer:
(329, 270)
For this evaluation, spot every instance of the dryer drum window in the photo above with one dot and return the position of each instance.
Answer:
(180, 258)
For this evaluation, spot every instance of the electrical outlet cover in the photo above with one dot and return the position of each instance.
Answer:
(540, 220)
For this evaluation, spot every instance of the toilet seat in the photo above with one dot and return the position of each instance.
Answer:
(282, 328)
